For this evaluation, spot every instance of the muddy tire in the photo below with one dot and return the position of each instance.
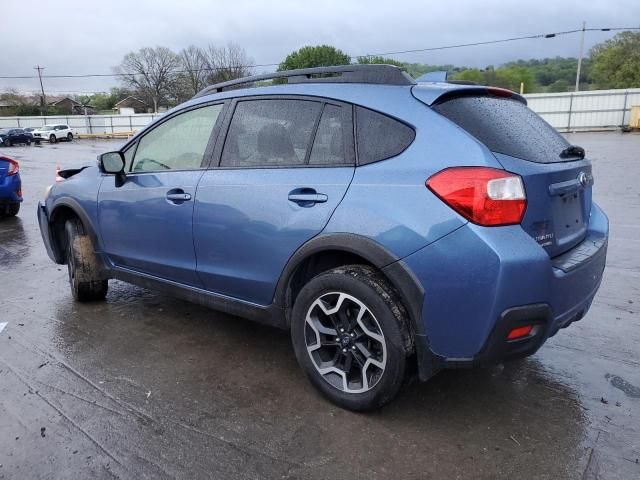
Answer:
(83, 265)
(350, 335)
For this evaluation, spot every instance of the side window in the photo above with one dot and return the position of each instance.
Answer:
(380, 137)
(270, 133)
(329, 145)
(128, 156)
(177, 144)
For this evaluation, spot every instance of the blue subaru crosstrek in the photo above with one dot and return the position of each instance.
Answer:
(10, 187)
(392, 225)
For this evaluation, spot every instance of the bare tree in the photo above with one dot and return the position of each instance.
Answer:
(227, 63)
(194, 69)
(150, 71)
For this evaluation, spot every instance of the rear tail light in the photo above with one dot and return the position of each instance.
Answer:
(14, 167)
(486, 196)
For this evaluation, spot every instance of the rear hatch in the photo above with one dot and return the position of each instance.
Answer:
(556, 177)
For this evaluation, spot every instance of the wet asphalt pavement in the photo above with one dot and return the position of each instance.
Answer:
(145, 386)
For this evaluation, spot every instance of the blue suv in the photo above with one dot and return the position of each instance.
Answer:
(391, 226)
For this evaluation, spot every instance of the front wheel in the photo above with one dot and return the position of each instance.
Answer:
(7, 142)
(28, 141)
(52, 139)
(70, 137)
(83, 265)
(350, 336)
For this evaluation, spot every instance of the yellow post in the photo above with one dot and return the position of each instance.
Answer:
(521, 88)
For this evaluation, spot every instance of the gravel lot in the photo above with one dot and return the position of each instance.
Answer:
(145, 386)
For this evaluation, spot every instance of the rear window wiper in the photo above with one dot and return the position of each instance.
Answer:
(572, 151)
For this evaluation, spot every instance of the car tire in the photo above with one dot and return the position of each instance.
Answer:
(52, 139)
(69, 137)
(7, 142)
(28, 142)
(12, 209)
(83, 265)
(350, 336)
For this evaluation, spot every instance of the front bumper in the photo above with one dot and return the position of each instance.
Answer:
(476, 278)
(45, 231)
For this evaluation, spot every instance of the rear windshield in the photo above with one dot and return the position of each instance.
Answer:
(506, 126)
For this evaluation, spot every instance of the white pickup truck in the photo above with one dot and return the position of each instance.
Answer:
(53, 133)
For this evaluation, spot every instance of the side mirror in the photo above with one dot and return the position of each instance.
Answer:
(113, 163)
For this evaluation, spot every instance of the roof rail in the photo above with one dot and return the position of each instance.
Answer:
(375, 74)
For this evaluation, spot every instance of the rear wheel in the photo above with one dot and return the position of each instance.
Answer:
(7, 142)
(28, 141)
(83, 265)
(69, 137)
(52, 139)
(350, 337)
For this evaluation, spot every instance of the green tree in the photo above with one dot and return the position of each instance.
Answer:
(560, 85)
(469, 75)
(511, 77)
(616, 62)
(316, 56)
(377, 60)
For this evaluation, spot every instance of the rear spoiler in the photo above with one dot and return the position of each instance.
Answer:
(431, 95)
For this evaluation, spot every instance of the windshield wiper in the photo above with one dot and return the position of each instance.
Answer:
(572, 151)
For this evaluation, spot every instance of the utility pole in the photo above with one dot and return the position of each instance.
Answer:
(584, 26)
(44, 98)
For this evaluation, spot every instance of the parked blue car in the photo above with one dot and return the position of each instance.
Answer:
(10, 187)
(392, 226)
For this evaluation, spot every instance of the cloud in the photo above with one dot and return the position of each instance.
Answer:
(91, 37)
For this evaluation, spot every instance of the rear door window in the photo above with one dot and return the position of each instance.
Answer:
(506, 126)
(270, 133)
(380, 137)
(331, 145)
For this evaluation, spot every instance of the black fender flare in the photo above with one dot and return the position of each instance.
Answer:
(401, 277)
(397, 272)
(88, 225)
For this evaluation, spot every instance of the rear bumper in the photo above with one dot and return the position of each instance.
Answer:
(480, 282)
(10, 188)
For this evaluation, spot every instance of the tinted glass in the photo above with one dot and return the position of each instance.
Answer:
(178, 143)
(506, 126)
(329, 144)
(270, 133)
(380, 137)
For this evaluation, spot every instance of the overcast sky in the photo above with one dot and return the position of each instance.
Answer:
(91, 37)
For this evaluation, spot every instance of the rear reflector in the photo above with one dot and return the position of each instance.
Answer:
(520, 332)
(486, 196)
(14, 167)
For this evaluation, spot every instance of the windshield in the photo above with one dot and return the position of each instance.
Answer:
(46, 128)
(4, 131)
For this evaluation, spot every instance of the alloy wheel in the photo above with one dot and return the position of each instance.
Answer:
(345, 342)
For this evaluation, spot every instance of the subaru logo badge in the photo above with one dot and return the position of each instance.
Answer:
(585, 179)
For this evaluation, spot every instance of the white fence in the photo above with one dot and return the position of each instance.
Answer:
(96, 124)
(589, 110)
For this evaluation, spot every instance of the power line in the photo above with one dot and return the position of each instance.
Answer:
(355, 57)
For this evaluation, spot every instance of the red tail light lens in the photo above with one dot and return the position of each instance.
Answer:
(14, 167)
(483, 195)
(520, 332)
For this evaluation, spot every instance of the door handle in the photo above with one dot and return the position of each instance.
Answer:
(178, 195)
(307, 198)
